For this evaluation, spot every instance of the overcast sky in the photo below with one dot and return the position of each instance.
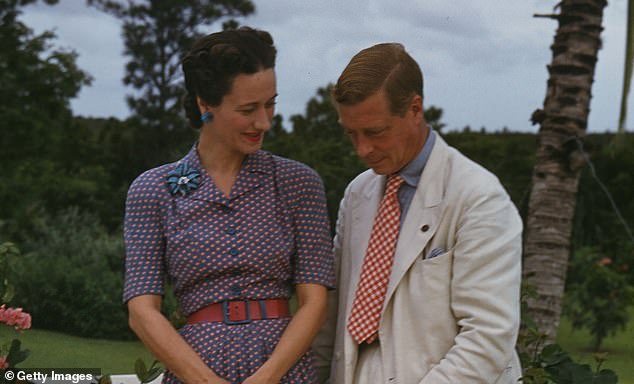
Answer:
(484, 61)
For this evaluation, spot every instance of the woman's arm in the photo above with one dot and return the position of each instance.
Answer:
(160, 337)
(297, 337)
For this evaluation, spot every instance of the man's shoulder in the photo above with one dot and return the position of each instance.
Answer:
(363, 179)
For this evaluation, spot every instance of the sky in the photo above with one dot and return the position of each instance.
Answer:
(484, 61)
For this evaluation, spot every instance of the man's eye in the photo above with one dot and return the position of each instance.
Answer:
(375, 132)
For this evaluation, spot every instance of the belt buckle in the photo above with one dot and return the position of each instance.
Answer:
(230, 311)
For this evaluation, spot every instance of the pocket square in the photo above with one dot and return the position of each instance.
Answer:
(435, 252)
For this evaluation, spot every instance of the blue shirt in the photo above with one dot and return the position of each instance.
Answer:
(411, 174)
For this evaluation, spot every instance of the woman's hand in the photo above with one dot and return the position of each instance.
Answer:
(261, 377)
(297, 337)
(160, 337)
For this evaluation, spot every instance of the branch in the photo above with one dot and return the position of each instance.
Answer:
(555, 16)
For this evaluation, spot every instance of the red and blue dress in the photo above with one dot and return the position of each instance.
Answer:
(271, 233)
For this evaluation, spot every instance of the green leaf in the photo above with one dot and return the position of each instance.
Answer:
(552, 355)
(606, 376)
(140, 369)
(16, 355)
(9, 292)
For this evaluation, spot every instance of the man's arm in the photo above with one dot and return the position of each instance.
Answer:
(485, 291)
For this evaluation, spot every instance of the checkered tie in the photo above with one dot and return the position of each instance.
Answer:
(377, 266)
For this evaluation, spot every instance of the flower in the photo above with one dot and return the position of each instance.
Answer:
(605, 261)
(12, 353)
(183, 179)
(15, 317)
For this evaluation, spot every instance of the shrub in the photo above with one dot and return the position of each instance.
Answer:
(73, 276)
(597, 295)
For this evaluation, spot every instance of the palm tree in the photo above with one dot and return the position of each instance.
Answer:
(629, 61)
(559, 159)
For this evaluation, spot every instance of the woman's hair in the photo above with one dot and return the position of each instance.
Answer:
(383, 66)
(215, 60)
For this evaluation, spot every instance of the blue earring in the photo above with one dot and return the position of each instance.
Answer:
(206, 117)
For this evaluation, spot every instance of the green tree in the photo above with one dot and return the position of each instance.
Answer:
(155, 34)
(317, 140)
(37, 81)
(597, 294)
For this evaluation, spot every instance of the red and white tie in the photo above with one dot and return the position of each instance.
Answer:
(363, 322)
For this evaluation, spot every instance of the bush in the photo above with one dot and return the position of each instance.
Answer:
(544, 363)
(74, 276)
(598, 294)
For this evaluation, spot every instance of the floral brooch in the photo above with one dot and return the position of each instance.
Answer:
(183, 179)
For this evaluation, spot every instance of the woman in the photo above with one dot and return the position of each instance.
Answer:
(234, 228)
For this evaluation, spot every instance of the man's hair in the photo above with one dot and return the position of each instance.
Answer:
(383, 66)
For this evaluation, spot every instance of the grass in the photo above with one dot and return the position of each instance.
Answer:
(58, 350)
(620, 348)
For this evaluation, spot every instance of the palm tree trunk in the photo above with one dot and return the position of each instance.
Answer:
(563, 121)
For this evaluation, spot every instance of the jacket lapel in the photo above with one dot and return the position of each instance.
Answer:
(363, 212)
(422, 218)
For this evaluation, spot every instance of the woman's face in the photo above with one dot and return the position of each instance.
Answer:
(245, 113)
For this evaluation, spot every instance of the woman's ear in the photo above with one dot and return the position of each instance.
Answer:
(202, 105)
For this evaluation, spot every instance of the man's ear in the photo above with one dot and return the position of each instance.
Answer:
(416, 105)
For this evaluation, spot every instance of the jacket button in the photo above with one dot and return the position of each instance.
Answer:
(424, 228)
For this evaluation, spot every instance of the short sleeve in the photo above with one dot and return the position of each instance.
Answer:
(144, 239)
(313, 261)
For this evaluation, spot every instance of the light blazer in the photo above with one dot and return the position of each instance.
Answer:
(451, 318)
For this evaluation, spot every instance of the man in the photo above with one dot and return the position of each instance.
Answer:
(429, 274)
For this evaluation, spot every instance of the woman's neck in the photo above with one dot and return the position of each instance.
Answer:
(221, 165)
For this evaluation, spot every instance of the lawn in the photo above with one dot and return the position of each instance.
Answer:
(57, 350)
(620, 348)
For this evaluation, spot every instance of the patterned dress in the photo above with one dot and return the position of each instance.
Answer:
(271, 233)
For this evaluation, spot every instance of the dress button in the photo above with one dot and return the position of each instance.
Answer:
(424, 228)
(233, 251)
(231, 231)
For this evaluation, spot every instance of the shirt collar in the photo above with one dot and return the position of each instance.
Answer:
(412, 172)
(258, 162)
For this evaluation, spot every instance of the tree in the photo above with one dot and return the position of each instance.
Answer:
(629, 62)
(37, 82)
(317, 140)
(155, 34)
(559, 159)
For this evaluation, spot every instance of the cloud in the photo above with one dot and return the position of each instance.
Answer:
(484, 60)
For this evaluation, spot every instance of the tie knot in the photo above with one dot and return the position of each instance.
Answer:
(393, 184)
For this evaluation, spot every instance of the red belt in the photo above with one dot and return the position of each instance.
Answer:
(241, 312)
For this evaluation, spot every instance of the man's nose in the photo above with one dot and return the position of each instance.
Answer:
(363, 146)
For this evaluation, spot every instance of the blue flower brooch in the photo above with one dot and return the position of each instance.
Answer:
(183, 179)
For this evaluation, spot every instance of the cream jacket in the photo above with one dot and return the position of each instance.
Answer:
(452, 311)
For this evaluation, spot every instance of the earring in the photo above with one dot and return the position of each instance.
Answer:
(206, 117)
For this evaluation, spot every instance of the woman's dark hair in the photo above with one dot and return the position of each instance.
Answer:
(215, 60)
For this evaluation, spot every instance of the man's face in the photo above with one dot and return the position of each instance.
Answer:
(386, 142)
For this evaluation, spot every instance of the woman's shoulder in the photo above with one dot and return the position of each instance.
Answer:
(290, 169)
(153, 181)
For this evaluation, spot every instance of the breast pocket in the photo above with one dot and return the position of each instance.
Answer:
(433, 274)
